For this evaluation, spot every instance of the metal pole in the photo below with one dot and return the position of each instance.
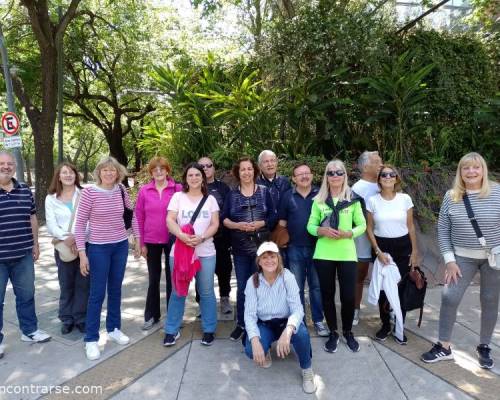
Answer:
(11, 104)
(60, 101)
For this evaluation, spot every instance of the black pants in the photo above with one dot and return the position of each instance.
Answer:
(223, 266)
(74, 291)
(400, 250)
(327, 272)
(155, 252)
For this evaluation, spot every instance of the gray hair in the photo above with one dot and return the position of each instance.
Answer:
(364, 159)
(265, 153)
(8, 153)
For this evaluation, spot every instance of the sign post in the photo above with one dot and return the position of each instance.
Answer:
(10, 126)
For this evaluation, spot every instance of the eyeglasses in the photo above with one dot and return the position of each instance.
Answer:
(305, 174)
(206, 166)
(335, 173)
(388, 174)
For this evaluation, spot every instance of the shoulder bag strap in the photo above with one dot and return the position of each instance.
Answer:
(473, 221)
(198, 209)
(123, 196)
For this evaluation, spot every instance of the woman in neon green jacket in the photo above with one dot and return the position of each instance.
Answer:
(337, 218)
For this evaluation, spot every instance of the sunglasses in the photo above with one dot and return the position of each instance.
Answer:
(206, 166)
(388, 174)
(335, 173)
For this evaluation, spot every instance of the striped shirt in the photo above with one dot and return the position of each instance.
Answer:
(279, 300)
(16, 234)
(455, 229)
(103, 211)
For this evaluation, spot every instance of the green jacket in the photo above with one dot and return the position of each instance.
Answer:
(336, 249)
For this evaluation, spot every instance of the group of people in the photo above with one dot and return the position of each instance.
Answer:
(199, 224)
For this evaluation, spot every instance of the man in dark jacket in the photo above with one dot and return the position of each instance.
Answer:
(276, 184)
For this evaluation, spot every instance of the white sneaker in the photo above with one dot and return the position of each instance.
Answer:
(225, 305)
(118, 337)
(308, 384)
(38, 336)
(321, 329)
(355, 320)
(2, 350)
(92, 350)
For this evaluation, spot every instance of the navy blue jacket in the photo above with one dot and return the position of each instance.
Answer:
(277, 187)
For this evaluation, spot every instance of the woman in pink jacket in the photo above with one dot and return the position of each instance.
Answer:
(151, 214)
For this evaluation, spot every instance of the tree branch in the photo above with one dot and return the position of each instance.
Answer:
(66, 19)
(411, 24)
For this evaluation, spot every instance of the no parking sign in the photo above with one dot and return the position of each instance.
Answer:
(10, 127)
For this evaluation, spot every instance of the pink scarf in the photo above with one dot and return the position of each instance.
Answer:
(186, 263)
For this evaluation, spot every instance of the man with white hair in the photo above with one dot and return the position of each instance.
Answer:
(369, 164)
(277, 184)
(18, 250)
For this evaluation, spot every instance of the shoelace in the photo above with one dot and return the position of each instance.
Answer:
(308, 374)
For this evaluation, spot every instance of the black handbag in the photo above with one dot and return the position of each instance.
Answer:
(412, 289)
(127, 212)
(260, 236)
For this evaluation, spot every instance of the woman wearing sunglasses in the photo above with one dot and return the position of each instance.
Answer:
(336, 218)
(391, 232)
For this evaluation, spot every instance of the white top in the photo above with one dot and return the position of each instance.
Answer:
(58, 216)
(185, 208)
(365, 189)
(390, 216)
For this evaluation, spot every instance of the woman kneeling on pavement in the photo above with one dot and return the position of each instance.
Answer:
(464, 254)
(274, 312)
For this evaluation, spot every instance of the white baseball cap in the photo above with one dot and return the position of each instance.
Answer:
(267, 246)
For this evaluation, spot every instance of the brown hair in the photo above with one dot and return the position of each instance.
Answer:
(159, 162)
(204, 185)
(236, 168)
(56, 184)
(279, 270)
(397, 185)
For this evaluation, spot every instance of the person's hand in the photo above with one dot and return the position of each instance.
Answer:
(413, 259)
(137, 249)
(283, 345)
(144, 252)
(452, 273)
(258, 352)
(328, 232)
(345, 234)
(186, 238)
(36, 252)
(196, 240)
(69, 241)
(244, 226)
(84, 264)
(256, 225)
(383, 257)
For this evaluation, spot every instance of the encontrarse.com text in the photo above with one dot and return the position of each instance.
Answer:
(50, 389)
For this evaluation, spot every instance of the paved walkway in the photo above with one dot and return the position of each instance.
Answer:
(145, 369)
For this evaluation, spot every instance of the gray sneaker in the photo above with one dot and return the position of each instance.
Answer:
(148, 324)
(355, 320)
(321, 329)
(225, 305)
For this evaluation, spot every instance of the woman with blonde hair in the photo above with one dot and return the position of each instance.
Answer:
(464, 253)
(103, 208)
(336, 218)
(274, 312)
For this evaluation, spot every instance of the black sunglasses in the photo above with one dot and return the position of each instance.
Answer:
(388, 174)
(206, 165)
(333, 173)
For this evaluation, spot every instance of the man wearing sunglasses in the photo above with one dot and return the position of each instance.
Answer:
(223, 265)
(369, 164)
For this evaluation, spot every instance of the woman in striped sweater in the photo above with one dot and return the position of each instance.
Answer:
(464, 255)
(105, 256)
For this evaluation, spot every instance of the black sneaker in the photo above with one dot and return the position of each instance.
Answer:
(437, 353)
(351, 342)
(236, 333)
(67, 328)
(170, 340)
(332, 342)
(485, 360)
(208, 339)
(383, 333)
(403, 342)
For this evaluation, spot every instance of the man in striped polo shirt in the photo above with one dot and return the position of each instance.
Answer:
(18, 250)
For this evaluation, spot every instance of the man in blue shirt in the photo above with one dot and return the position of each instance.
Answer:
(294, 209)
(18, 250)
(276, 184)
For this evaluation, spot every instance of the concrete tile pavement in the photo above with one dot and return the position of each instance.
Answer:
(145, 367)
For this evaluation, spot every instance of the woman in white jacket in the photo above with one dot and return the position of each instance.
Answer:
(60, 209)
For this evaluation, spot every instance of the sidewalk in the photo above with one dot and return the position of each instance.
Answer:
(145, 369)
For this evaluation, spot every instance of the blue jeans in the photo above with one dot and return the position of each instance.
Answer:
(107, 264)
(21, 273)
(208, 303)
(300, 261)
(244, 267)
(300, 341)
